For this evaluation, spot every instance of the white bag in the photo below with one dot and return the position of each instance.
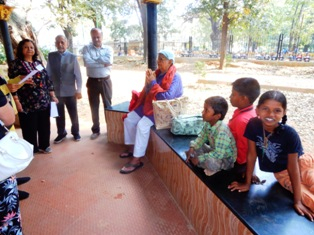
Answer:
(165, 110)
(15, 155)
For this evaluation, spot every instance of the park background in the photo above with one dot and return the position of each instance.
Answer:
(78, 189)
(192, 29)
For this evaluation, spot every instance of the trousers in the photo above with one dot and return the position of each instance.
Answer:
(71, 104)
(34, 123)
(136, 132)
(98, 87)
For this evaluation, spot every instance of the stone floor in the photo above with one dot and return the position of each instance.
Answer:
(77, 189)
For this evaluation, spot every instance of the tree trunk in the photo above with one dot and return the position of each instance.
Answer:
(143, 11)
(215, 35)
(69, 36)
(20, 29)
(224, 32)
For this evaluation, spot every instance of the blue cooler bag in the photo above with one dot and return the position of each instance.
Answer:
(187, 125)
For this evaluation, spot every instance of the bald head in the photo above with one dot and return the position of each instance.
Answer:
(61, 43)
(96, 35)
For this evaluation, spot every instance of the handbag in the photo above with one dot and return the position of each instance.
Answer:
(187, 125)
(15, 154)
(165, 110)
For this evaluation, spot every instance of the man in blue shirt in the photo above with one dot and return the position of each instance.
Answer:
(64, 71)
(98, 60)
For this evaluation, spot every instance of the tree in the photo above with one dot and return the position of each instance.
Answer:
(229, 13)
(20, 26)
(69, 13)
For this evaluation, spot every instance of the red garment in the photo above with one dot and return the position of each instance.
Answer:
(135, 96)
(306, 165)
(147, 98)
(237, 125)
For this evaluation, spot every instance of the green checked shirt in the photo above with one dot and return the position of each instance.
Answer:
(220, 140)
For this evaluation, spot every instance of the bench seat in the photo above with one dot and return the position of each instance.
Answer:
(206, 201)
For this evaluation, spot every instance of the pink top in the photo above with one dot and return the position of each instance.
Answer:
(237, 125)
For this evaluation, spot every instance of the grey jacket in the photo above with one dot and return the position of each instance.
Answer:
(64, 71)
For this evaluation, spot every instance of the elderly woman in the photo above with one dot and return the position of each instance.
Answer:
(33, 98)
(164, 83)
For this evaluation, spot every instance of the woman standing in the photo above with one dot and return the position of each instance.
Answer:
(34, 97)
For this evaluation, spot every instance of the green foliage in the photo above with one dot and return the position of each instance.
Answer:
(199, 68)
(3, 58)
(45, 52)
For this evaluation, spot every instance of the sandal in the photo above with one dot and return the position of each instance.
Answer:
(135, 167)
(126, 155)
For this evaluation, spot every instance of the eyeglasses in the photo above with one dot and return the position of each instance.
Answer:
(161, 59)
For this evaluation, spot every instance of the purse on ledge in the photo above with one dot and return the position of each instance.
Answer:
(166, 110)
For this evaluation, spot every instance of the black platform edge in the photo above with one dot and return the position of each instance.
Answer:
(122, 107)
(256, 209)
(263, 210)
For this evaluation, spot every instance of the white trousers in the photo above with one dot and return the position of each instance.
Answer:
(136, 132)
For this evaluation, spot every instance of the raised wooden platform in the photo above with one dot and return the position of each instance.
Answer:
(206, 201)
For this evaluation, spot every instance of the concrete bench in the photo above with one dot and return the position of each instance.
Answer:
(206, 201)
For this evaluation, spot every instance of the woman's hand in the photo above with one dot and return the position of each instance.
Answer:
(13, 87)
(28, 81)
(150, 76)
(303, 210)
(241, 187)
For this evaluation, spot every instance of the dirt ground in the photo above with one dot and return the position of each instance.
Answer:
(128, 75)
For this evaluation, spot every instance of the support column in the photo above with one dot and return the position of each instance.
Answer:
(152, 35)
(5, 12)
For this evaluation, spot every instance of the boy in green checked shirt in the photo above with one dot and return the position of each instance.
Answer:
(214, 149)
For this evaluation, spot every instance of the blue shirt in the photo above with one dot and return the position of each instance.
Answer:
(95, 60)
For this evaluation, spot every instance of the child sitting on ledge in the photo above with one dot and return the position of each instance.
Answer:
(214, 149)
(279, 150)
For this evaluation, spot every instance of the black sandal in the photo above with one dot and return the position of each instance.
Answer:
(126, 155)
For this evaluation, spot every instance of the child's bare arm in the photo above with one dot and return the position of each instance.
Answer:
(251, 159)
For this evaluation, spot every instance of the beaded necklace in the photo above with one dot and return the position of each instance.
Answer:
(266, 138)
(265, 144)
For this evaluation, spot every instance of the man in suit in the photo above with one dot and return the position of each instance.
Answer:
(64, 71)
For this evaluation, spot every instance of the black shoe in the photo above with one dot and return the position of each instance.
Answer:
(77, 137)
(23, 195)
(60, 138)
(22, 180)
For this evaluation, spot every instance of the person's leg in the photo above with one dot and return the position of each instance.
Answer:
(142, 136)
(130, 123)
(93, 98)
(8, 190)
(71, 104)
(107, 92)
(29, 127)
(60, 120)
(140, 146)
(44, 129)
